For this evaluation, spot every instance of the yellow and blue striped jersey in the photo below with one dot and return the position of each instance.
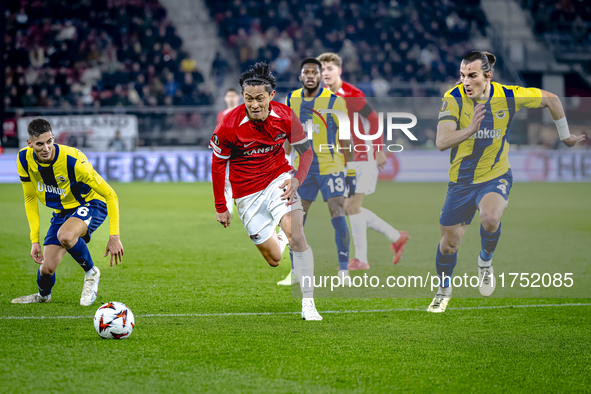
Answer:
(69, 181)
(325, 137)
(484, 156)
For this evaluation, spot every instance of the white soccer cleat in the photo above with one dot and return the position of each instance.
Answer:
(290, 279)
(486, 278)
(440, 301)
(309, 311)
(32, 299)
(90, 287)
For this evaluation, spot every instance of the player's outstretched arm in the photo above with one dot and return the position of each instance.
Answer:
(114, 246)
(553, 103)
(32, 211)
(448, 136)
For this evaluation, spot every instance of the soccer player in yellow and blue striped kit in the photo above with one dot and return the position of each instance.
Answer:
(327, 174)
(62, 178)
(474, 121)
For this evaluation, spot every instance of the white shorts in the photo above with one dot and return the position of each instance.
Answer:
(262, 211)
(367, 176)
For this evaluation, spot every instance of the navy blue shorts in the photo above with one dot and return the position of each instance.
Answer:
(93, 213)
(331, 185)
(462, 200)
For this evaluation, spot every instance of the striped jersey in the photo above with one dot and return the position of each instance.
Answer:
(67, 182)
(325, 142)
(484, 156)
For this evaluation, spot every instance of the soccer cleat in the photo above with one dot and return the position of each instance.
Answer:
(357, 265)
(32, 299)
(309, 311)
(90, 287)
(486, 278)
(440, 302)
(398, 246)
(290, 279)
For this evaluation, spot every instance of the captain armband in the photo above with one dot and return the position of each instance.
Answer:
(302, 146)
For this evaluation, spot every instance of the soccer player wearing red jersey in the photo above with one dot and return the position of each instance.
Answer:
(368, 161)
(251, 138)
(232, 100)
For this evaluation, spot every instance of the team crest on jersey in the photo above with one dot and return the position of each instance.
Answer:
(61, 178)
(443, 106)
(501, 114)
(216, 140)
(279, 136)
(255, 237)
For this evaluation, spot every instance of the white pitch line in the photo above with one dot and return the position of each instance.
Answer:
(468, 308)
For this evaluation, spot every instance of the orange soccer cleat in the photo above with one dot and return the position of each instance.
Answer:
(357, 265)
(398, 246)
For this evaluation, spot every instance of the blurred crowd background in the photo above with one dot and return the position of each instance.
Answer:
(127, 56)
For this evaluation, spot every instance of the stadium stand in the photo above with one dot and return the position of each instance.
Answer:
(566, 26)
(93, 53)
(381, 42)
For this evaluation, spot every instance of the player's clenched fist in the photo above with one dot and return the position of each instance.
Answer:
(223, 218)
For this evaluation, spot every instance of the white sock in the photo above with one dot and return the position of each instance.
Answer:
(282, 240)
(444, 290)
(303, 263)
(90, 272)
(377, 224)
(359, 233)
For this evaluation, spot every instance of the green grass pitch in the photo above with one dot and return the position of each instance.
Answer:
(236, 331)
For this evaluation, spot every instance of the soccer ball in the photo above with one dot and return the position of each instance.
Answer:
(114, 320)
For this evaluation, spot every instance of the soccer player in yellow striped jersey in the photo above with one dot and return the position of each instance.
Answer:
(327, 173)
(474, 121)
(62, 178)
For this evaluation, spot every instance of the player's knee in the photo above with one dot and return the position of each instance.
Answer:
(46, 270)
(449, 247)
(67, 239)
(490, 220)
(273, 262)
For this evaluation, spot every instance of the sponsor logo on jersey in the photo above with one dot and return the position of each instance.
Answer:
(61, 178)
(42, 187)
(261, 150)
(488, 133)
(444, 113)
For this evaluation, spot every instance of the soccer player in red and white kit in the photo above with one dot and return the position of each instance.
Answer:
(251, 138)
(368, 161)
(232, 100)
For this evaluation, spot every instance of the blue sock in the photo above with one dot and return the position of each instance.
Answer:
(45, 283)
(445, 265)
(81, 254)
(342, 239)
(488, 242)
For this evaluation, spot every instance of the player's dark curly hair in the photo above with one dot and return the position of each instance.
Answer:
(488, 60)
(259, 74)
(38, 127)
